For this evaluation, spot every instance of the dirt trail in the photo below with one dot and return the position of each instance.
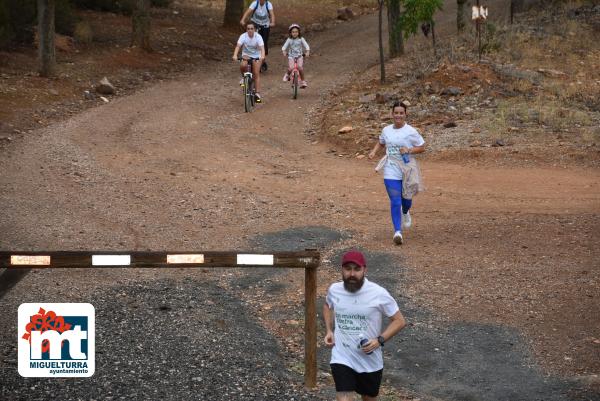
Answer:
(180, 166)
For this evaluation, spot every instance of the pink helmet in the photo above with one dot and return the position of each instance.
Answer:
(293, 26)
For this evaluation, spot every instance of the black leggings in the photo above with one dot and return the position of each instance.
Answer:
(264, 32)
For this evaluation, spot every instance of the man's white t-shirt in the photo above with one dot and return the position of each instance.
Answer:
(251, 45)
(355, 314)
(261, 13)
(394, 139)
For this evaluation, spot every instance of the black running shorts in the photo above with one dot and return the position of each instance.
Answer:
(346, 379)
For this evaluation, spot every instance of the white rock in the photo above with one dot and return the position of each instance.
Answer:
(104, 87)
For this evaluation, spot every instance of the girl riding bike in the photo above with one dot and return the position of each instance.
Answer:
(294, 48)
(253, 51)
(262, 14)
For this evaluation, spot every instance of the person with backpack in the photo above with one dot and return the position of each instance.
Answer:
(261, 13)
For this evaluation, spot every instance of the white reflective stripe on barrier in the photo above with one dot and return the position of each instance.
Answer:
(251, 259)
(21, 260)
(111, 260)
(185, 258)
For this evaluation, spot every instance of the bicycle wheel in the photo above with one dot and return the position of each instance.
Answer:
(295, 85)
(252, 93)
(248, 95)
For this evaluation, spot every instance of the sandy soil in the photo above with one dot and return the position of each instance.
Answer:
(179, 165)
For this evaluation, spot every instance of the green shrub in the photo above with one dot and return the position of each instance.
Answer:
(491, 41)
(22, 15)
(115, 6)
(98, 5)
(161, 3)
(64, 18)
(18, 19)
(83, 33)
(126, 7)
(6, 33)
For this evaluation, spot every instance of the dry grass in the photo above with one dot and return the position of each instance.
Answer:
(566, 45)
(566, 52)
(553, 108)
(550, 115)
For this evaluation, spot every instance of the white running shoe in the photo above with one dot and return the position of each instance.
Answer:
(242, 82)
(398, 238)
(406, 220)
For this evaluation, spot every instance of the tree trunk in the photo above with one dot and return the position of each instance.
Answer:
(478, 26)
(46, 51)
(460, 15)
(233, 12)
(140, 21)
(381, 57)
(515, 7)
(433, 38)
(396, 43)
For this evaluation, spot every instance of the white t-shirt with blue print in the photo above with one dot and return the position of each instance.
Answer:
(394, 139)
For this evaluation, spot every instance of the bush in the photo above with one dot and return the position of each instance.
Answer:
(491, 42)
(64, 18)
(6, 33)
(125, 7)
(98, 5)
(22, 16)
(83, 33)
(18, 19)
(161, 3)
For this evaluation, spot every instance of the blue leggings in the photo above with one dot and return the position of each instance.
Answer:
(397, 202)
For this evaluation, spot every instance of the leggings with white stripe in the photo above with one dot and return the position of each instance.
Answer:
(398, 204)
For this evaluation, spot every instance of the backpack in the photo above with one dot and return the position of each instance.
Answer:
(266, 5)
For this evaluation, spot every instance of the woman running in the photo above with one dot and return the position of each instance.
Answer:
(400, 140)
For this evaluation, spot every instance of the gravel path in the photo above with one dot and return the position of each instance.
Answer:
(168, 340)
(437, 359)
(170, 168)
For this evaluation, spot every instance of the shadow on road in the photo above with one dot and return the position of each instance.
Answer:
(459, 360)
(9, 278)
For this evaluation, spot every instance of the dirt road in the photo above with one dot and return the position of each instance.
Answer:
(499, 276)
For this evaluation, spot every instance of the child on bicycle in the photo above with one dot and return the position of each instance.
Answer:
(253, 52)
(294, 48)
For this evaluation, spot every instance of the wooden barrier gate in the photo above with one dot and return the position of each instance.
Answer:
(308, 260)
